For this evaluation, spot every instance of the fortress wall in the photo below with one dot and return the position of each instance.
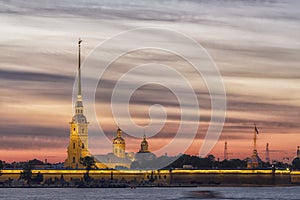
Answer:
(175, 177)
(232, 179)
(295, 177)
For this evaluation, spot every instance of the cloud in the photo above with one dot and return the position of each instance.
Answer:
(255, 44)
(34, 131)
(33, 76)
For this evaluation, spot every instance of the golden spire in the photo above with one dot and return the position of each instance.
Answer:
(255, 138)
(79, 69)
(119, 132)
(79, 104)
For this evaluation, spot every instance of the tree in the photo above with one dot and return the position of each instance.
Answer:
(1, 166)
(233, 164)
(296, 163)
(26, 174)
(62, 180)
(89, 163)
(39, 178)
(281, 165)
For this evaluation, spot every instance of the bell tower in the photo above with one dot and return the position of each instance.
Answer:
(119, 145)
(78, 145)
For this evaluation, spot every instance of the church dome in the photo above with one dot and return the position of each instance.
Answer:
(119, 139)
(144, 146)
(144, 143)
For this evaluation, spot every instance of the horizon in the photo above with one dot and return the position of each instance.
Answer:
(258, 63)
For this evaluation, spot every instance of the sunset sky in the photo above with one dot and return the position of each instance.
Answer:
(254, 44)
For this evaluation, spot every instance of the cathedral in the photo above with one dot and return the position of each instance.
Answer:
(119, 158)
(78, 142)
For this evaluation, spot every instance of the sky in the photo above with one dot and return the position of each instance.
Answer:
(254, 44)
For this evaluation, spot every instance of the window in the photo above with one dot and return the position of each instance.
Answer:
(83, 145)
(74, 129)
(73, 145)
(73, 159)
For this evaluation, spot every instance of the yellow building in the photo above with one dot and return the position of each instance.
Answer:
(118, 159)
(78, 145)
(119, 145)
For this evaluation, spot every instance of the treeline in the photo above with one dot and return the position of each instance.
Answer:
(209, 162)
(182, 161)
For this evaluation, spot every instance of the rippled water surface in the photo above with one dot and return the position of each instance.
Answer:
(151, 193)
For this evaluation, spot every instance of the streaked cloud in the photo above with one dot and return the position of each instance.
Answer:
(255, 44)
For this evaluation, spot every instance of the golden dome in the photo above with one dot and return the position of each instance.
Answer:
(144, 146)
(119, 139)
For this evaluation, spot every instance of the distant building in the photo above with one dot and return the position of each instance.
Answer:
(254, 161)
(267, 153)
(225, 151)
(144, 155)
(298, 152)
(78, 143)
(144, 146)
(119, 145)
(119, 158)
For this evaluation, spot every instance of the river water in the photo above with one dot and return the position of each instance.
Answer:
(282, 193)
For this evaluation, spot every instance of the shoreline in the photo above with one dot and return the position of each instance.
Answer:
(151, 178)
(155, 186)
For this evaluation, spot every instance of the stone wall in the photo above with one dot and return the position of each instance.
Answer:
(173, 177)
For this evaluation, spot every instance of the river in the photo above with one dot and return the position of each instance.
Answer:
(282, 193)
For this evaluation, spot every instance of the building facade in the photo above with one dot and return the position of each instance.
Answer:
(78, 144)
(119, 145)
(144, 155)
